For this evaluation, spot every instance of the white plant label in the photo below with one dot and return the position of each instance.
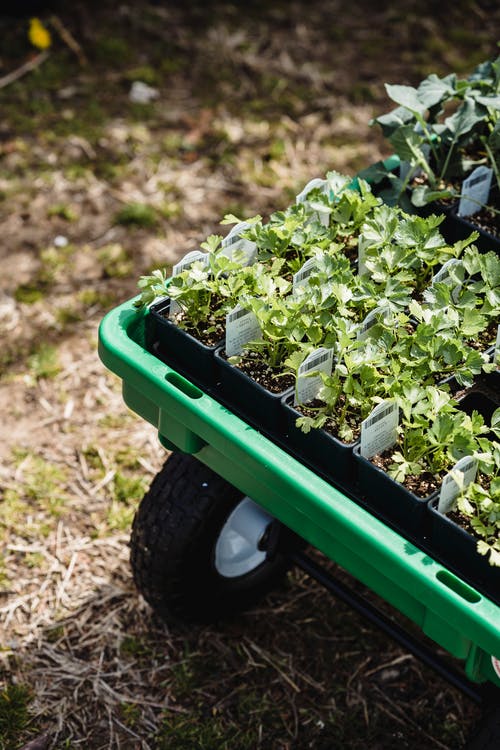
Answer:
(496, 354)
(242, 326)
(495, 663)
(372, 319)
(465, 471)
(185, 263)
(317, 182)
(235, 245)
(300, 278)
(443, 276)
(307, 386)
(363, 244)
(311, 185)
(379, 431)
(475, 191)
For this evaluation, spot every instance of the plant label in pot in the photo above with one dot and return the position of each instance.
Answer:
(309, 380)
(379, 313)
(183, 265)
(300, 278)
(463, 473)
(242, 326)
(236, 247)
(448, 274)
(322, 212)
(475, 191)
(379, 431)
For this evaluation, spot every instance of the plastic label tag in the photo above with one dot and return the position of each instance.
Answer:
(379, 431)
(317, 182)
(303, 274)
(475, 191)
(363, 244)
(372, 319)
(466, 469)
(443, 276)
(496, 353)
(185, 263)
(495, 663)
(242, 326)
(308, 386)
(236, 247)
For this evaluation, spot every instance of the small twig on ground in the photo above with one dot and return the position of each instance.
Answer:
(32, 64)
(68, 39)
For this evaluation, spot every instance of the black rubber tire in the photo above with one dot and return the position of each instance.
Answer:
(173, 542)
(487, 733)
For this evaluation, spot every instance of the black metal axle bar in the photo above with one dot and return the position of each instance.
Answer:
(395, 631)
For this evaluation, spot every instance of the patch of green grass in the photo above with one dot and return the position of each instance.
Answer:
(62, 211)
(28, 294)
(14, 714)
(4, 581)
(93, 458)
(115, 421)
(34, 560)
(44, 362)
(114, 50)
(131, 714)
(132, 646)
(137, 215)
(54, 259)
(144, 73)
(170, 209)
(203, 731)
(41, 482)
(119, 517)
(141, 112)
(69, 315)
(128, 458)
(115, 261)
(128, 489)
(95, 298)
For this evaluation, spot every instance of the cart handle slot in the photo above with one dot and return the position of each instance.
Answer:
(183, 385)
(458, 586)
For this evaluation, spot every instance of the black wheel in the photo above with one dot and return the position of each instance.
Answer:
(487, 733)
(200, 549)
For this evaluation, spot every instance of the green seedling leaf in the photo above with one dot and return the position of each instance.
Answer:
(467, 116)
(434, 90)
(407, 97)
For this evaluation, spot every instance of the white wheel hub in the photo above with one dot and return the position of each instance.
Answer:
(237, 550)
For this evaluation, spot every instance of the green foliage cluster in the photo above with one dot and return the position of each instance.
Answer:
(400, 322)
(443, 129)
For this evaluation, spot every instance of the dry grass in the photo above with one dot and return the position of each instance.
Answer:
(254, 101)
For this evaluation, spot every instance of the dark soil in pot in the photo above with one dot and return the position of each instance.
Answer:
(396, 504)
(179, 348)
(248, 398)
(319, 449)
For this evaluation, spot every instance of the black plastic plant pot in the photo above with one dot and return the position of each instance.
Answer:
(318, 449)
(456, 549)
(178, 348)
(457, 227)
(390, 500)
(480, 400)
(247, 398)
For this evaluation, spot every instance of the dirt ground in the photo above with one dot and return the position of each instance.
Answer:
(251, 100)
